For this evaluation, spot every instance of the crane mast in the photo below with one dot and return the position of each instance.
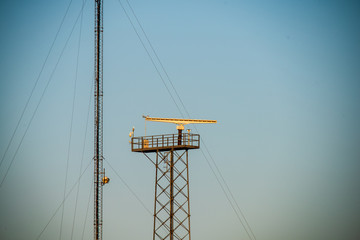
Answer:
(98, 122)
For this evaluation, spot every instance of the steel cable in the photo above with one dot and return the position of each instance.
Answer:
(158, 59)
(41, 98)
(129, 188)
(87, 211)
(83, 151)
(247, 226)
(36, 83)
(229, 191)
(62, 202)
(151, 58)
(71, 121)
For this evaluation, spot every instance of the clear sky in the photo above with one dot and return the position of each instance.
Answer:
(281, 77)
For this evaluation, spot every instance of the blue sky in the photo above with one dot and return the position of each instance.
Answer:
(281, 77)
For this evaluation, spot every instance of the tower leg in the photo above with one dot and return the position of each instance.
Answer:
(171, 195)
(171, 207)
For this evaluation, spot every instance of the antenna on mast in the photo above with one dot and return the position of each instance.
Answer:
(180, 122)
(172, 201)
(145, 122)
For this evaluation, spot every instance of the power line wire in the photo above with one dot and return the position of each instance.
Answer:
(36, 83)
(246, 225)
(70, 134)
(83, 147)
(182, 104)
(157, 58)
(151, 58)
(63, 201)
(226, 194)
(41, 98)
(129, 188)
(133, 193)
(68, 151)
(230, 192)
(87, 211)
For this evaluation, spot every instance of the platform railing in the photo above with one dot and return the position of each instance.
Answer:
(165, 141)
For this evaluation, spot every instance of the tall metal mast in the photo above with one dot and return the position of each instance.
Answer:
(98, 122)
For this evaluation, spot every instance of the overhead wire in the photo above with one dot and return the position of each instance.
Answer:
(230, 193)
(131, 191)
(157, 58)
(228, 198)
(71, 123)
(87, 211)
(82, 157)
(62, 202)
(150, 57)
(36, 83)
(123, 181)
(41, 97)
(83, 151)
(226, 190)
(70, 138)
(178, 109)
(129, 188)
(78, 182)
(157, 70)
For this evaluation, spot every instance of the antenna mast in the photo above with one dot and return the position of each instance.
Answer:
(98, 122)
(172, 200)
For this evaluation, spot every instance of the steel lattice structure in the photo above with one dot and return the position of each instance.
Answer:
(98, 122)
(169, 154)
(172, 205)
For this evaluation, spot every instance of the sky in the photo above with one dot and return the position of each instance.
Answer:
(282, 79)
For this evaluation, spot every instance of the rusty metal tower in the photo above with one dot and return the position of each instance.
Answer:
(169, 154)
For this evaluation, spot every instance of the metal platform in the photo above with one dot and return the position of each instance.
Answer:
(165, 142)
